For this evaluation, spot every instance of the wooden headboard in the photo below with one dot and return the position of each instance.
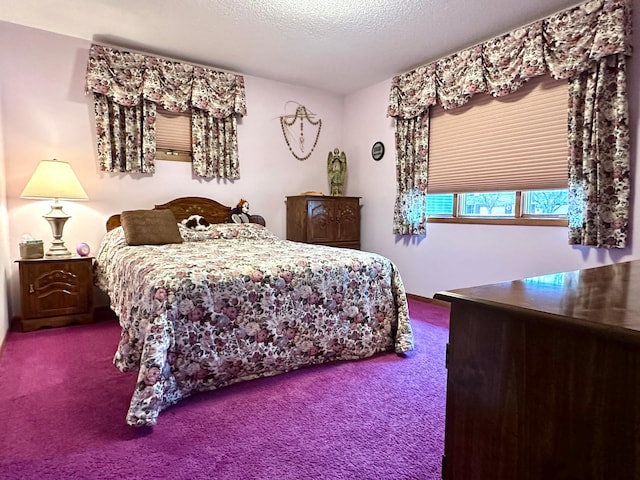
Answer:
(184, 207)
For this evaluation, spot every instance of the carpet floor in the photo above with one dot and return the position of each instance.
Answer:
(63, 406)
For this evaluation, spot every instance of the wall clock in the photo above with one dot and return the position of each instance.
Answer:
(377, 151)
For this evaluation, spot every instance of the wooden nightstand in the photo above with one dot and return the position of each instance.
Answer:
(56, 292)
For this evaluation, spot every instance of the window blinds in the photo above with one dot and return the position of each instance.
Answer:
(516, 142)
(173, 131)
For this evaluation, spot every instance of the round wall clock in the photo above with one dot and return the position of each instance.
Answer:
(377, 151)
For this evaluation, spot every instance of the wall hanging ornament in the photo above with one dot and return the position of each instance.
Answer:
(290, 130)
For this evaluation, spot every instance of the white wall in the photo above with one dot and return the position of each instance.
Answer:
(454, 255)
(46, 115)
(5, 260)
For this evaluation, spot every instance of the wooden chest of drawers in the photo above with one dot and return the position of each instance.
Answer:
(324, 220)
(56, 292)
(544, 377)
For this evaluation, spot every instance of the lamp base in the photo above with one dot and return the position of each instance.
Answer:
(58, 250)
(57, 218)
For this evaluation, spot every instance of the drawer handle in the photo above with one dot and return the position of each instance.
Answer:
(31, 289)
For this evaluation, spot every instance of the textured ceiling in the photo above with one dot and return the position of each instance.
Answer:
(339, 46)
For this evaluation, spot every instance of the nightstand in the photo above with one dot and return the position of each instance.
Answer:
(56, 292)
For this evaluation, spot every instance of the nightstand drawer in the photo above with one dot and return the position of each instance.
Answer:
(56, 292)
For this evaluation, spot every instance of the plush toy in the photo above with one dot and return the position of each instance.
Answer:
(196, 222)
(240, 213)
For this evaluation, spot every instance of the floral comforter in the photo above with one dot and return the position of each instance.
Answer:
(236, 302)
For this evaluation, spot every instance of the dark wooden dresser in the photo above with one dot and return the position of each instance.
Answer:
(324, 220)
(544, 378)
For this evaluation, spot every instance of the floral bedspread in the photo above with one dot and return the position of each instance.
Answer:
(236, 302)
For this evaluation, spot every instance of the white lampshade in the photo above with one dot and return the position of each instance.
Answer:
(54, 179)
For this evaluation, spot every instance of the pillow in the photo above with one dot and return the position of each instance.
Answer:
(246, 231)
(150, 227)
(227, 231)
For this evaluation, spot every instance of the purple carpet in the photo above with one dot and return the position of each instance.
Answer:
(63, 406)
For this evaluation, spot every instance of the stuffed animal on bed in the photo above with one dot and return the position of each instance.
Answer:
(196, 222)
(240, 213)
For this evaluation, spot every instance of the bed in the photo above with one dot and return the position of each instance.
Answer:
(233, 302)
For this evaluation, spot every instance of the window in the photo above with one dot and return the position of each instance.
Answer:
(506, 158)
(539, 207)
(546, 202)
(173, 135)
(487, 204)
(440, 204)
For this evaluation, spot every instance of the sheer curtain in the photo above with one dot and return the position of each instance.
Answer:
(128, 86)
(567, 45)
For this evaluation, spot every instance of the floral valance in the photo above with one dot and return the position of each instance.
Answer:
(128, 77)
(561, 45)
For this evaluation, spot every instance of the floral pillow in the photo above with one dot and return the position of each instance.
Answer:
(227, 231)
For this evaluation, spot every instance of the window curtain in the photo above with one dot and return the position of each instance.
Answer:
(412, 145)
(126, 143)
(127, 87)
(213, 123)
(567, 45)
(599, 175)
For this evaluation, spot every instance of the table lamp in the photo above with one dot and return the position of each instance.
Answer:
(55, 179)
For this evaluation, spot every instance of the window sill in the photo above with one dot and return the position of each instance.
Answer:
(528, 221)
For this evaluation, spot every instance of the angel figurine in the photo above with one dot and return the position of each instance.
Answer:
(336, 170)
